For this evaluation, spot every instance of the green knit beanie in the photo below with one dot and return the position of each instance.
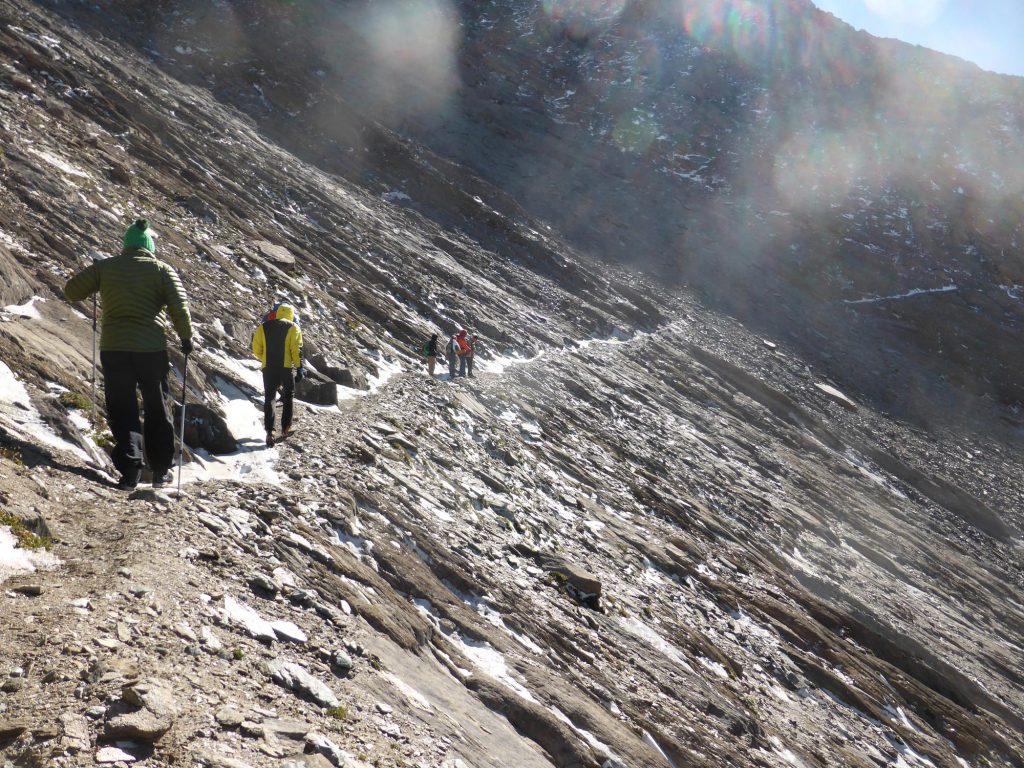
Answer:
(139, 235)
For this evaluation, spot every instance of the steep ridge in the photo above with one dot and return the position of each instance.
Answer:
(642, 536)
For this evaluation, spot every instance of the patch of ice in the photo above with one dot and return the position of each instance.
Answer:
(357, 545)
(897, 714)
(253, 462)
(246, 370)
(387, 370)
(799, 562)
(716, 667)
(479, 604)
(436, 510)
(907, 757)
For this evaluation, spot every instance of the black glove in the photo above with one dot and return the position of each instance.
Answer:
(186, 346)
(300, 373)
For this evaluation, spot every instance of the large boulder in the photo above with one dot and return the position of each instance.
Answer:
(206, 428)
(338, 372)
(146, 711)
(317, 389)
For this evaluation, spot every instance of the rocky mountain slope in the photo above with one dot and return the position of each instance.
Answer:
(760, 150)
(643, 535)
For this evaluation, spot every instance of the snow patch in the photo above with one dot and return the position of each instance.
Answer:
(59, 163)
(20, 417)
(638, 629)
(484, 657)
(15, 561)
(649, 741)
(497, 365)
(907, 295)
(27, 310)
(603, 749)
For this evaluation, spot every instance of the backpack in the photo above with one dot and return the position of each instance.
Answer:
(426, 349)
(450, 348)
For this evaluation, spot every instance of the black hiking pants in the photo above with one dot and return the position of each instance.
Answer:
(273, 378)
(123, 374)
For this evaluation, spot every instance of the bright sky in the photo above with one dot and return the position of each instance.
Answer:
(987, 32)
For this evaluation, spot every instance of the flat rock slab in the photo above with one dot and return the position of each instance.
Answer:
(152, 694)
(292, 676)
(228, 717)
(154, 717)
(213, 760)
(581, 580)
(137, 726)
(293, 730)
(11, 729)
(836, 396)
(275, 253)
(114, 755)
(286, 630)
(338, 757)
(75, 730)
(245, 617)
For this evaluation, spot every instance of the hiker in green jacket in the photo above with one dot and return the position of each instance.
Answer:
(135, 287)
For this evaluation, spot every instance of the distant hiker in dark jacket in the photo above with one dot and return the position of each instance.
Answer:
(470, 355)
(431, 351)
(135, 287)
(278, 345)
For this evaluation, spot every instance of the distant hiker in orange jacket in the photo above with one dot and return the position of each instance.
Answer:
(463, 350)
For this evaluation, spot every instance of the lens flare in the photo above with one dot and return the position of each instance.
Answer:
(411, 69)
(583, 18)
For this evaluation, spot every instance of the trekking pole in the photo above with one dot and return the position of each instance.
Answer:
(94, 361)
(181, 437)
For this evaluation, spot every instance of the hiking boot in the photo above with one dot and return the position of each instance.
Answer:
(270, 439)
(130, 479)
(160, 479)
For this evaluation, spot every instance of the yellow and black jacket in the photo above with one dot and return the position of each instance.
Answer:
(278, 342)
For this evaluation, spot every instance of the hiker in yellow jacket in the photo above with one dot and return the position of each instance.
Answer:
(278, 345)
(135, 288)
